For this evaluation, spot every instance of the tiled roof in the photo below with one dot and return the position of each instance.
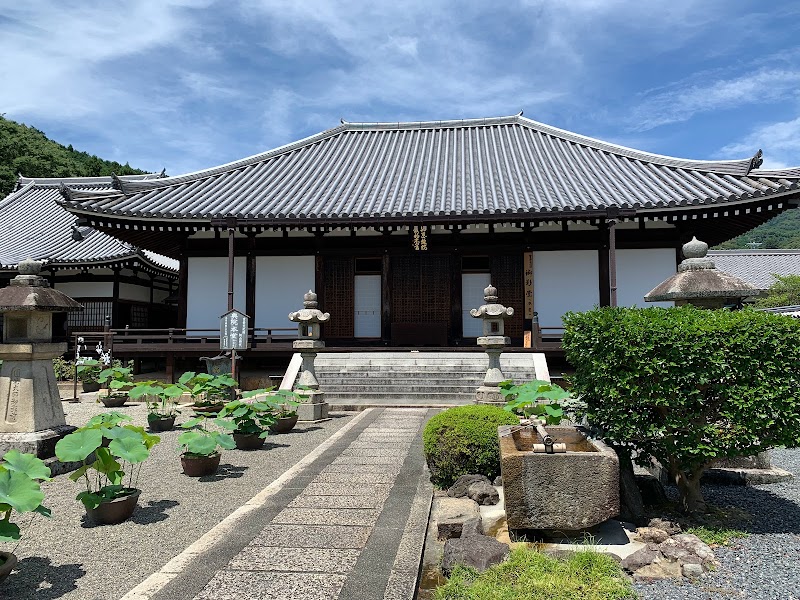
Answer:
(447, 169)
(34, 225)
(757, 266)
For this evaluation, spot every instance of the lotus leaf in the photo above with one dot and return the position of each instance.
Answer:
(78, 445)
(33, 467)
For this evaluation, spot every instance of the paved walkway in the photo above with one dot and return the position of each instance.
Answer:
(347, 523)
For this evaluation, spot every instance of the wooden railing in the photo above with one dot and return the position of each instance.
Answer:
(547, 339)
(175, 338)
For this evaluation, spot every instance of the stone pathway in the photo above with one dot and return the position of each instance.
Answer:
(350, 525)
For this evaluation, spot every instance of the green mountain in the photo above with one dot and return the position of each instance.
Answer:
(27, 151)
(782, 231)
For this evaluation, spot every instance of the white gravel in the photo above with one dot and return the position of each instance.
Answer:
(763, 566)
(67, 558)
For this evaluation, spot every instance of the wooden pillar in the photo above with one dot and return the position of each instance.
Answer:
(456, 333)
(386, 299)
(183, 290)
(319, 284)
(152, 288)
(603, 264)
(115, 300)
(250, 285)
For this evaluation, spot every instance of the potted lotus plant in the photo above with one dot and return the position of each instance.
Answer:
(285, 403)
(162, 404)
(119, 381)
(252, 419)
(20, 492)
(111, 494)
(200, 445)
(88, 373)
(210, 392)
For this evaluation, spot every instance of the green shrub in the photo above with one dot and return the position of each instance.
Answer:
(463, 440)
(687, 386)
(531, 575)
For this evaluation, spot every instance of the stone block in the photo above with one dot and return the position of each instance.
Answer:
(460, 487)
(479, 552)
(39, 443)
(573, 490)
(316, 411)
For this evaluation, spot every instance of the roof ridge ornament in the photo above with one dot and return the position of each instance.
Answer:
(116, 182)
(756, 161)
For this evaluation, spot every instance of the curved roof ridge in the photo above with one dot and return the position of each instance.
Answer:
(739, 166)
(733, 167)
(787, 173)
(162, 182)
(94, 180)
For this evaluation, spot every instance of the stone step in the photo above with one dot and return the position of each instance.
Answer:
(411, 377)
(398, 389)
(421, 398)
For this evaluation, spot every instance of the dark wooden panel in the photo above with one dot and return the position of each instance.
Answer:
(337, 290)
(508, 278)
(421, 288)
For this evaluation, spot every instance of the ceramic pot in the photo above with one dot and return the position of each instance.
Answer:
(161, 423)
(115, 511)
(248, 441)
(7, 566)
(91, 386)
(197, 466)
(114, 401)
(284, 425)
(208, 411)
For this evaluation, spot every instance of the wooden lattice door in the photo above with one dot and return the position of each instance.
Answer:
(508, 278)
(338, 278)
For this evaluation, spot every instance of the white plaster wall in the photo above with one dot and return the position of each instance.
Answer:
(639, 271)
(128, 291)
(86, 289)
(281, 282)
(161, 295)
(563, 280)
(207, 290)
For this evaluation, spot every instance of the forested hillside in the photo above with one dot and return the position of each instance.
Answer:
(781, 232)
(27, 151)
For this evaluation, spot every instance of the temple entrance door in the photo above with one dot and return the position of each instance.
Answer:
(420, 300)
(367, 306)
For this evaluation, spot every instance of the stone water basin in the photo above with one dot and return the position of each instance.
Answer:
(566, 491)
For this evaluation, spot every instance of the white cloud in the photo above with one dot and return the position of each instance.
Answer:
(780, 141)
(684, 100)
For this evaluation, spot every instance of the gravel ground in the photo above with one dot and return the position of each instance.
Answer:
(67, 558)
(766, 564)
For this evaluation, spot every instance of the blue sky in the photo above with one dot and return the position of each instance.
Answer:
(190, 84)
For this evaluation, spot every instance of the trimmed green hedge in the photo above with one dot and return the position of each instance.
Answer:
(687, 386)
(463, 440)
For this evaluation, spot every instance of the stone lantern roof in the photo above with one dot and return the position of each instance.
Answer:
(309, 313)
(492, 309)
(698, 279)
(28, 291)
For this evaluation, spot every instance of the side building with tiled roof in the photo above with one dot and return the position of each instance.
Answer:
(757, 267)
(398, 227)
(110, 277)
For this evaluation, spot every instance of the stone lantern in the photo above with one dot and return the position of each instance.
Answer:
(309, 320)
(32, 419)
(493, 341)
(700, 283)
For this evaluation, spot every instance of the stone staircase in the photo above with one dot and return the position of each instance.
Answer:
(362, 379)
